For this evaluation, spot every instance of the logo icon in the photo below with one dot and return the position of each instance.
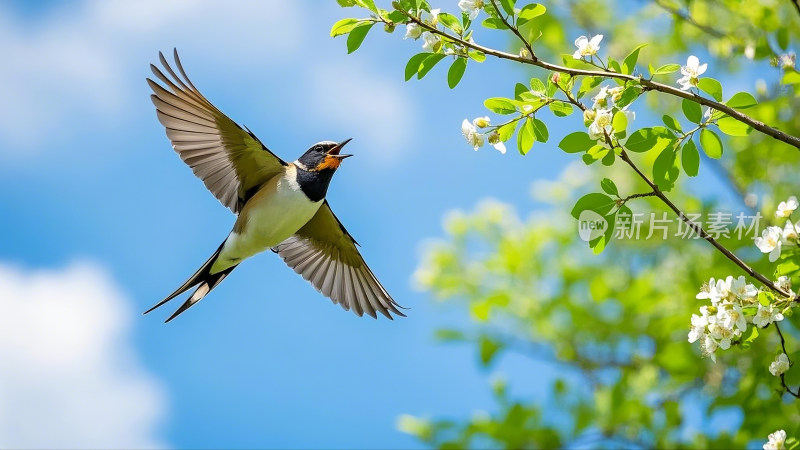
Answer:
(591, 225)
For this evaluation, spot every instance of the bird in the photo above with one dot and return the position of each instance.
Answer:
(278, 205)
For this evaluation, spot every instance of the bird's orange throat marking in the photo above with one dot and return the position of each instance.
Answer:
(329, 163)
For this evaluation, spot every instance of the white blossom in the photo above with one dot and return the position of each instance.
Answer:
(708, 347)
(790, 232)
(788, 60)
(770, 242)
(691, 72)
(471, 134)
(481, 122)
(699, 324)
(432, 42)
(600, 98)
(786, 208)
(413, 31)
(431, 18)
(471, 7)
(616, 93)
(709, 291)
(784, 283)
(779, 366)
(732, 316)
(776, 441)
(741, 289)
(766, 315)
(602, 121)
(494, 139)
(586, 46)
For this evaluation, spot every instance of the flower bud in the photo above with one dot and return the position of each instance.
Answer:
(481, 122)
(555, 77)
(493, 137)
(389, 27)
(588, 115)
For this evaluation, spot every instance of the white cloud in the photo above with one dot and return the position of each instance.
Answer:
(69, 377)
(356, 99)
(85, 59)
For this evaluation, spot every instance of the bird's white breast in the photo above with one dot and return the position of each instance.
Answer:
(272, 215)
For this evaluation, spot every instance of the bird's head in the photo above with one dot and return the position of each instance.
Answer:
(325, 155)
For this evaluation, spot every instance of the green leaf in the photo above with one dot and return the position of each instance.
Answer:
(692, 110)
(629, 64)
(538, 86)
(671, 123)
(369, 4)
(782, 36)
(450, 21)
(477, 56)
(690, 158)
(357, 35)
(412, 67)
(665, 172)
(630, 94)
(599, 203)
(456, 72)
(508, 6)
(711, 87)
(540, 130)
(609, 187)
(488, 350)
(519, 89)
(587, 84)
(620, 122)
(506, 131)
(525, 137)
(710, 143)
(786, 268)
(561, 109)
(576, 142)
(742, 100)
(530, 12)
(733, 127)
(642, 140)
(494, 23)
(428, 64)
(500, 105)
(791, 77)
(666, 68)
(343, 27)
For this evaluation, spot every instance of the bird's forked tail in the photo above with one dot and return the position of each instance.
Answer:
(203, 279)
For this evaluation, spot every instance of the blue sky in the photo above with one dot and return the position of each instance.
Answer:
(103, 220)
(87, 177)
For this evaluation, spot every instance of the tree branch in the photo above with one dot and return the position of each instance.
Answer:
(694, 226)
(644, 82)
(689, 19)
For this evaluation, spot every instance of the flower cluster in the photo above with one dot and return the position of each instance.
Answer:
(600, 117)
(725, 320)
(691, 73)
(475, 138)
(774, 238)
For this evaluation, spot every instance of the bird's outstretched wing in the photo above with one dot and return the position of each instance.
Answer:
(325, 254)
(230, 160)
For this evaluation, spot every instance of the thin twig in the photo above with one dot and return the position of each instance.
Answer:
(514, 29)
(689, 19)
(647, 84)
(783, 377)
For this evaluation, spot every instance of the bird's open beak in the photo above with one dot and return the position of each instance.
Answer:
(334, 152)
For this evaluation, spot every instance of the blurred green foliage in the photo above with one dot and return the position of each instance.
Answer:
(614, 326)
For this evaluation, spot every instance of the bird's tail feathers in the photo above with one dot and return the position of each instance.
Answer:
(203, 279)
